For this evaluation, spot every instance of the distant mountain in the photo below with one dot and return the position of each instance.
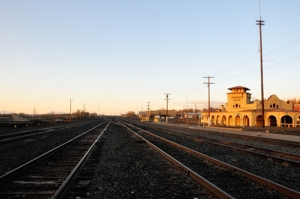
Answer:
(56, 112)
(5, 112)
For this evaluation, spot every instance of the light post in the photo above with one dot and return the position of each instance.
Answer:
(70, 107)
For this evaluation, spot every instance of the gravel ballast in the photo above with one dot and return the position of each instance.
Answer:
(128, 168)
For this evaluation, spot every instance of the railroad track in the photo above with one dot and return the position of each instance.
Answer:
(288, 159)
(21, 135)
(250, 138)
(218, 132)
(228, 179)
(50, 174)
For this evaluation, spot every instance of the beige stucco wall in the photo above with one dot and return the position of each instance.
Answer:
(241, 111)
(250, 118)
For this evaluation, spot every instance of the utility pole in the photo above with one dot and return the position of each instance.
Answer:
(70, 107)
(196, 113)
(142, 114)
(261, 23)
(167, 99)
(148, 113)
(208, 85)
(187, 107)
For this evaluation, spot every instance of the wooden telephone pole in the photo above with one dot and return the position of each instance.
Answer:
(208, 85)
(261, 23)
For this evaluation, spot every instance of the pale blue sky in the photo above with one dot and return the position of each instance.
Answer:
(119, 55)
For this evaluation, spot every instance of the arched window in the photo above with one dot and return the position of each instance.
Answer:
(273, 105)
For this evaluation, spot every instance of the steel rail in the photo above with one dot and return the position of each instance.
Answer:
(199, 179)
(60, 193)
(61, 126)
(228, 134)
(280, 188)
(7, 135)
(31, 132)
(9, 175)
(243, 148)
(258, 154)
(11, 137)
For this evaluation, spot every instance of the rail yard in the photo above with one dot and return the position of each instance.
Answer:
(115, 157)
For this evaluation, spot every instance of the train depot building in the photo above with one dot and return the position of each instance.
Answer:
(241, 111)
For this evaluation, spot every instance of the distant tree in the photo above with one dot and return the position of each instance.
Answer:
(77, 113)
(130, 114)
(188, 110)
(86, 114)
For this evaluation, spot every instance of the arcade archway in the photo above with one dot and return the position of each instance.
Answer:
(217, 120)
(286, 121)
(238, 121)
(258, 121)
(230, 121)
(213, 120)
(246, 121)
(272, 121)
(223, 121)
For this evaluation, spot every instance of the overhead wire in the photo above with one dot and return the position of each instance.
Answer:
(195, 86)
(266, 57)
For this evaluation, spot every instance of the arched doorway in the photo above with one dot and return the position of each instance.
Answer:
(258, 121)
(286, 121)
(272, 121)
(230, 121)
(237, 121)
(223, 121)
(246, 121)
(213, 120)
(217, 120)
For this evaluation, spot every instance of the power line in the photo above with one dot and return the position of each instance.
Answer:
(265, 67)
(268, 55)
(193, 86)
